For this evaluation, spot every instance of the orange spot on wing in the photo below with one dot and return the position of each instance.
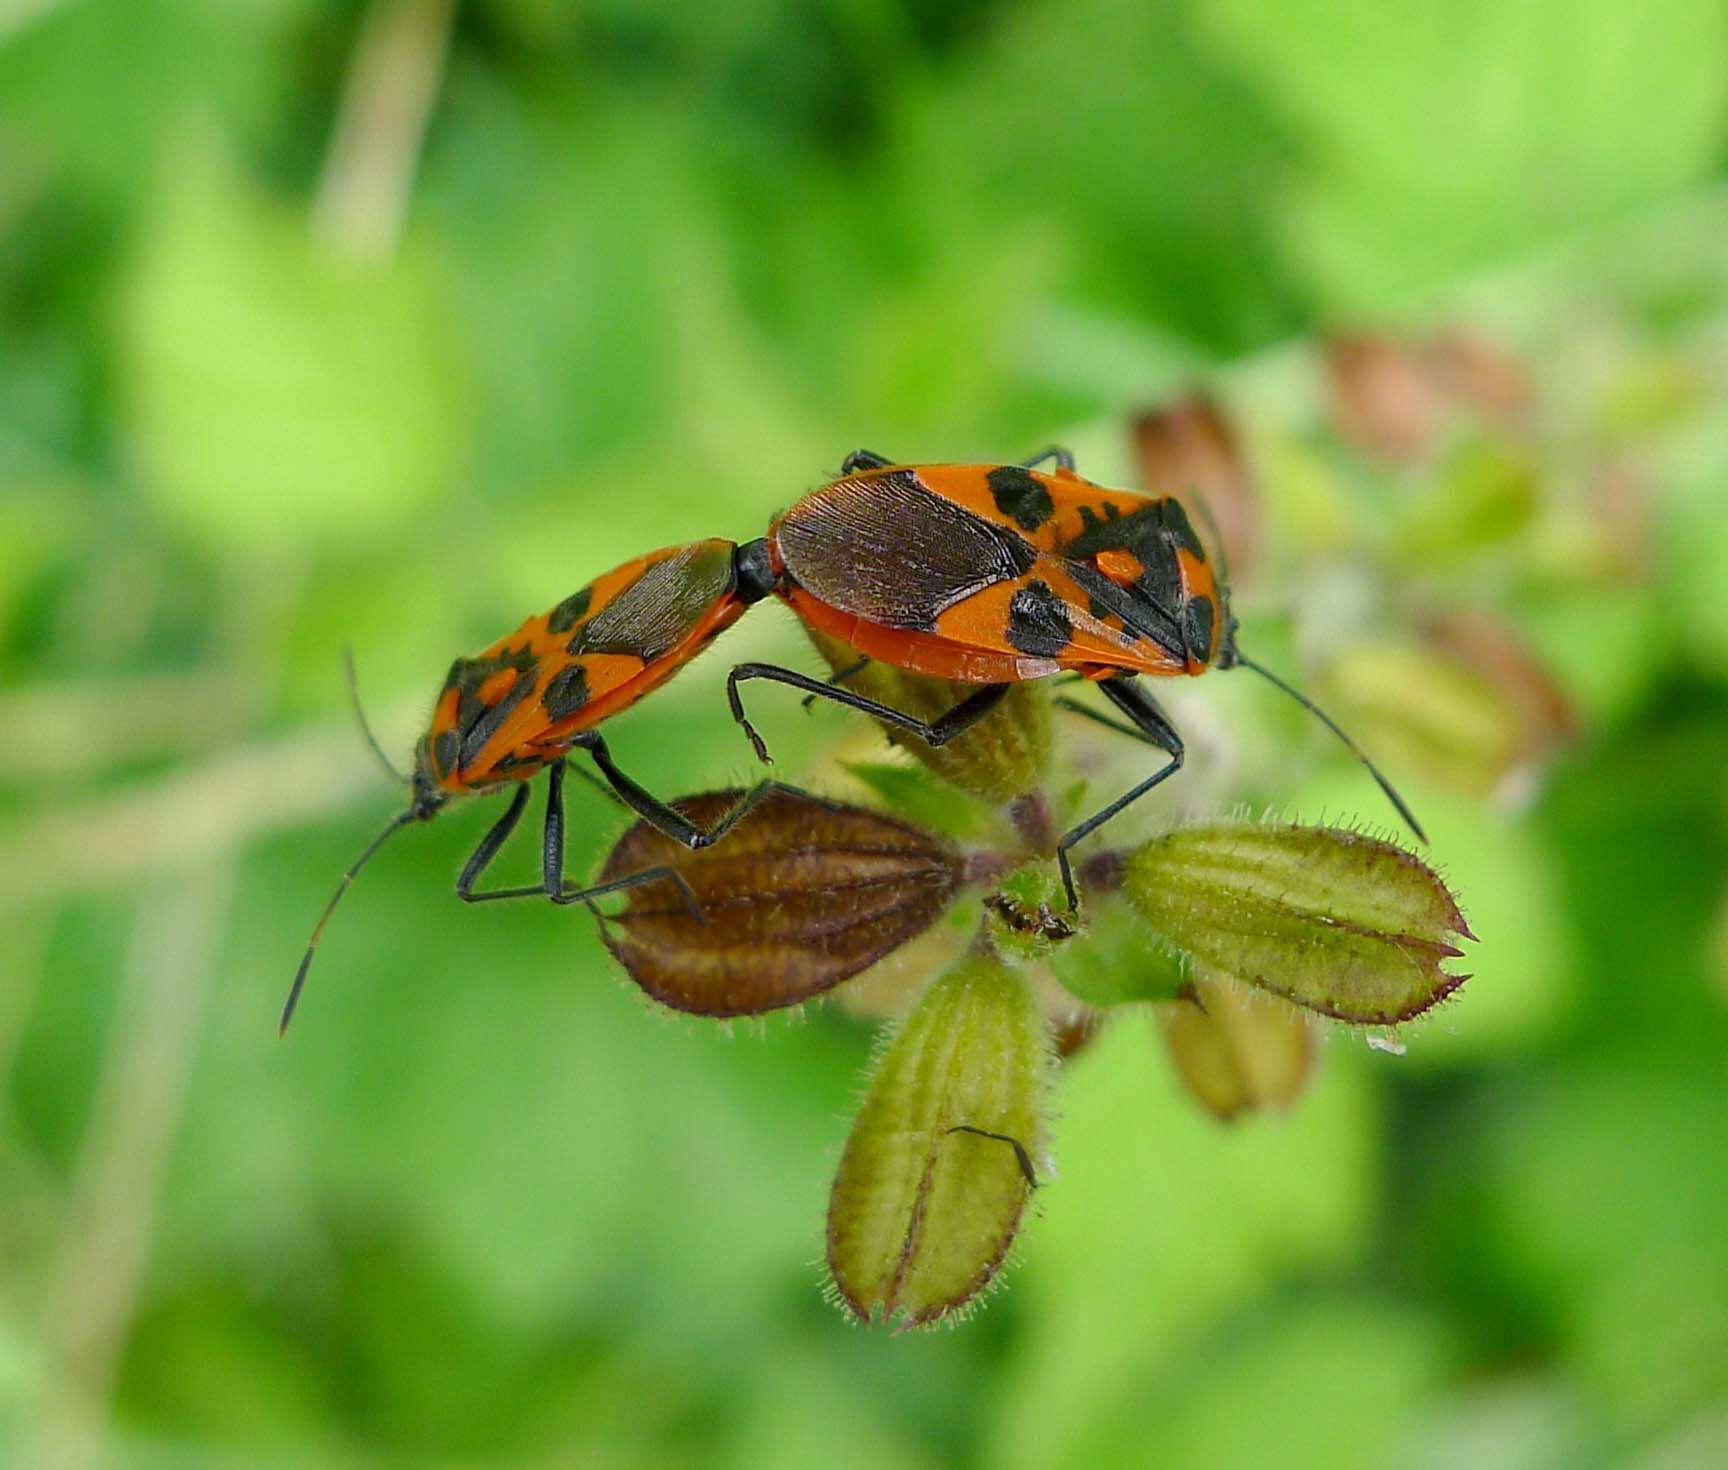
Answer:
(1121, 567)
(495, 688)
(444, 716)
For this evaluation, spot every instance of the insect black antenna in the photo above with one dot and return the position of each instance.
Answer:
(318, 929)
(360, 716)
(1332, 725)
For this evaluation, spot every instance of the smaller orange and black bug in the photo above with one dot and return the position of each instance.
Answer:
(991, 574)
(525, 702)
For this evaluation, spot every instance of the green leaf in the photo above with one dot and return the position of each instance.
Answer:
(277, 394)
(1448, 134)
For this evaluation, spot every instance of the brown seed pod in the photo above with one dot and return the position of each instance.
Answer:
(801, 895)
(1191, 447)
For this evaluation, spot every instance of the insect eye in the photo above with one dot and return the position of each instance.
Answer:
(1121, 567)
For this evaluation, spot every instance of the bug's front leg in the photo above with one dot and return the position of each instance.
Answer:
(1149, 724)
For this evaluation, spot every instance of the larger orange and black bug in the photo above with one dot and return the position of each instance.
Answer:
(989, 574)
(521, 705)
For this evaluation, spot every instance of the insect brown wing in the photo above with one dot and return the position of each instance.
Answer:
(883, 548)
(661, 608)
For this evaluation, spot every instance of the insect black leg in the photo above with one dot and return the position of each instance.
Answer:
(937, 732)
(596, 783)
(488, 849)
(863, 459)
(1098, 717)
(1152, 727)
(551, 846)
(839, 676)
(1021, 1157)
(744, 806)
(668, 820)
(636, 880)
(1064, 459)
(552, 842)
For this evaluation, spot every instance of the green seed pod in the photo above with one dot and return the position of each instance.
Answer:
(1237, 1051)
(1003, 756)
(1344, 924)
(934, 1178)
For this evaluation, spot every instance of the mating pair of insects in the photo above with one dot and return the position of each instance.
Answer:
(981, 574)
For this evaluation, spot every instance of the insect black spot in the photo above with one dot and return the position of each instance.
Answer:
(1197, 621)
(1020, 495)
(1038, 621)
(1143, 615)
(566, 694)
(444, 754)
(1176, 522)
(570, 611)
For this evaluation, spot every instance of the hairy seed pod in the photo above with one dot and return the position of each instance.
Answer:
(945, 1150)
(1342, 923)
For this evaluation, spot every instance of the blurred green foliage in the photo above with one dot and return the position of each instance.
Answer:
(286, 364)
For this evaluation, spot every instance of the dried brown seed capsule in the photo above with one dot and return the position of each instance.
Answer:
(934, 1179)
(1339, 922)
(1384, 397)
(1191, 447)
(801, 895)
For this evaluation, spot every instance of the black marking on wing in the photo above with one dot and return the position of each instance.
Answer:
(566, 693)
(487, 720)
(1038, 621)
(445, 748)
(1197, 621)
(1153, 534)
(884, 548)
(1141, 617)
(570, 611)
(1020, 495)
(475, 722)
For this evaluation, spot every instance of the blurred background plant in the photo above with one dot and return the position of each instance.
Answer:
(388, 323)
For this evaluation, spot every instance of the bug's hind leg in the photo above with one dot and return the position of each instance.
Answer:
(839, 676)
(668, 820)
(863, 459)
(1150, 725)
(936, 732)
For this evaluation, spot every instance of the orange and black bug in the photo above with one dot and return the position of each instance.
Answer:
(524, 703)
(989, 574)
